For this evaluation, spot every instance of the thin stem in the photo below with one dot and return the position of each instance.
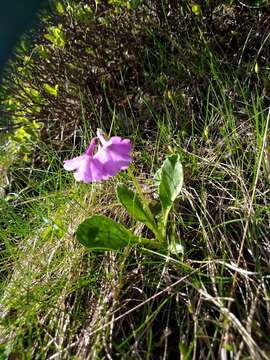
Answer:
(145, 203)
(163, 224)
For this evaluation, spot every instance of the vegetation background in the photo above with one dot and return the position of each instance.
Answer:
(173, 76)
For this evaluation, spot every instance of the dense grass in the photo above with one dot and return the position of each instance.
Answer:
(193, 98)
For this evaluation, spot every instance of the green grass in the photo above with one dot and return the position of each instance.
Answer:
(60, 301)
(56, 292)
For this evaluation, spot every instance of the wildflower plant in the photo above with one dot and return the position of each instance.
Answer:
(102, 233)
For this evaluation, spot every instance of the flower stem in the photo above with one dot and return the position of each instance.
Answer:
(163, 224)
(154, 227)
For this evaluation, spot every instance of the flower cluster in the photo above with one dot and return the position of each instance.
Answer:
(111, 156)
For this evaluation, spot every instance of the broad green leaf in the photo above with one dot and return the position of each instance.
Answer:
(171, 181)
(102, 233)
(133, 205)
(157, 177)
(155, 207)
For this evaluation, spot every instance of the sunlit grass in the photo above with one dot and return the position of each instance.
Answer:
(57, 292)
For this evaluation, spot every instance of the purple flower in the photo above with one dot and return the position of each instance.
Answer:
(112, 156)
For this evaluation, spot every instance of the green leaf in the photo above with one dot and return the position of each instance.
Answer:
(33, 93)
(196, 9)
(132, 203)
(157, 177)
(83, 14)
(102, 233)
(176, 249)
(59, 8)
(171, 181)
(43, 51)
(228, 347)
(135, 4)
(155, 207)
(56, 36)
(51, 90)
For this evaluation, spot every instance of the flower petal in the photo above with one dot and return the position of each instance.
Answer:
(112, 156)
(115, 155)
(90, 170)
(101, 137)
(116, 150)
(73, 164)
(89, 151)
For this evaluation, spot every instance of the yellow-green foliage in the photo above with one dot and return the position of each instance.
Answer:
(128, 4)
(56, 36)
(25, 132)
